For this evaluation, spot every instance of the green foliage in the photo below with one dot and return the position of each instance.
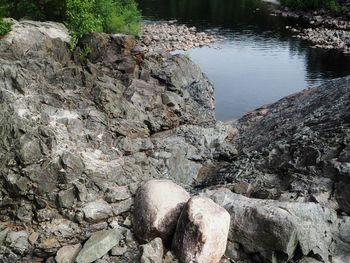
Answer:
(331, 5)
(109, 16)
(84, 53)
(5, 27)
(81, 19)
(81, 16)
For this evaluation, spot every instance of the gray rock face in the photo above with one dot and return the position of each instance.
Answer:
(78, 131)
(297, 147)
(202, 231)
(278, 231)
(153, 251)
(98, 245)
(158, 204)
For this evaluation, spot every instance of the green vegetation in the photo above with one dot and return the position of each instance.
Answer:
(5, 27)
(332, 5)
(80, 16)
(84, 53)
(110, 16)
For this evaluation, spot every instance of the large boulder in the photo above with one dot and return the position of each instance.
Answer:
(282, 231)
(202, 232)
(158, 204)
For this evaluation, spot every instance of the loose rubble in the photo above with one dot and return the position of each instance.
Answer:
(170, 37)
(324, 31)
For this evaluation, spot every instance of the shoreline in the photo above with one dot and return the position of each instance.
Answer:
(320, 28)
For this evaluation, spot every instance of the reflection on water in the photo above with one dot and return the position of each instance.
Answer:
(258, 61)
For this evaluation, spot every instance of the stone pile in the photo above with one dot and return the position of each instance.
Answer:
(324, 31)
(171, 37)
(202, 226)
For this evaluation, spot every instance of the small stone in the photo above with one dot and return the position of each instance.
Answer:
(66, 198)
(153, 251)
(158, 204)
(33, 238)
(98, 245)
(49, 245)
(18, 242)
(118, 250)
(169, 258)
(67, 254)
(202, 231)
(97, 211)
(122, 206)
(116, 194)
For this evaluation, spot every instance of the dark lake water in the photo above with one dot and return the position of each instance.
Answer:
(256, 61)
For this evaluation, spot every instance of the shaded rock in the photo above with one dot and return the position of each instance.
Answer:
(153, 251)
(122, 206)
(67, 254)
(158, 204)
(202, 231)
(98, 245)
(169, 258)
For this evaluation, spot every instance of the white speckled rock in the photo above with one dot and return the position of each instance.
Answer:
(158, 204)
(202, 231)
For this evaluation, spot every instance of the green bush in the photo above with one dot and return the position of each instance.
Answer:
(80, 16)
(331, 5)
(111, 16)
(5, 27)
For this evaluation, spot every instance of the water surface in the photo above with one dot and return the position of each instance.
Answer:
(256, 60)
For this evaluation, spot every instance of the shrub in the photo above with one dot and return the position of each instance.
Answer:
(80, 16)
(111, 16)
(332, 5)
(5, 27)
(81, 19)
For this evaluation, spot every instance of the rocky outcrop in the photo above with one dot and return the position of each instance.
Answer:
(295, 153)
(296, 149)
(81, 130)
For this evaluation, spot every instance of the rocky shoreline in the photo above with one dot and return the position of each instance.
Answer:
(169, 36)
(323, 30)
(86, 140)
